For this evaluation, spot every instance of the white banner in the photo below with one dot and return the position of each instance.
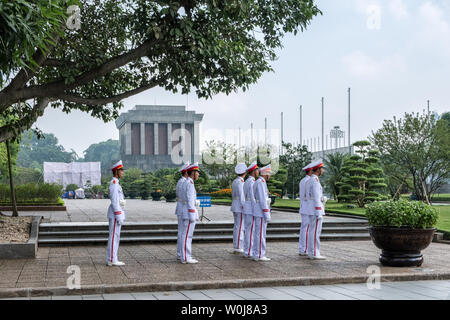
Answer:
(75, 172)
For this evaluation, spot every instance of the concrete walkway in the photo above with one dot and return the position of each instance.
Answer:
(417, 290)
(155, 268)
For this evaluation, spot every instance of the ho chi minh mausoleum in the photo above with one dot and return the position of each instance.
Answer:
(153, 137)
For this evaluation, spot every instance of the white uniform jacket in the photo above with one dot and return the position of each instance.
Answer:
(250, 202)
(115, 195)
(302, 195)
(262, 208)
(314, 189)
(189, 209)
(237, 193)
(179, 208)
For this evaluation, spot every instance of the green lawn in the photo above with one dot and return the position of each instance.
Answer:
(335, 207)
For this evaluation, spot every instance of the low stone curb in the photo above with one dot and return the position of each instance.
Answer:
(34, 208)
(23, 250)
(204, 285)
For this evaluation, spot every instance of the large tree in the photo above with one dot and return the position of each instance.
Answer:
(334, 173)
(419, 144)
(34, 150)
(293, 159)
(106, 152)
(126, 47)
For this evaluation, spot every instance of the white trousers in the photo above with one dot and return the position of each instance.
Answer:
(315, 229)
(113, 240)
(249, 228)
(186, 238)
(302, 239)
(179, 240)
(238, 231)
(259, 238)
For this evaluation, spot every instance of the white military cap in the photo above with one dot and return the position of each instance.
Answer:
(192, 167)
(117, 165)
(240, 168)
(265, 170)
(252, 167)
(308, 167)
(184, 167)
(316, 164)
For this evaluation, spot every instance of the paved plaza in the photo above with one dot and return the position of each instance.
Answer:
(154, 267)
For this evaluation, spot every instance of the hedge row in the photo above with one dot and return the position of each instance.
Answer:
(48, 192)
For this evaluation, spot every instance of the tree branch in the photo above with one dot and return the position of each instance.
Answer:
(100, 101)
(12, 131)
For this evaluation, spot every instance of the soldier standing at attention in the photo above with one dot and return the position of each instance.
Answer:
(179, 208)
(304, 228)
(317, 211)
(249, 206)
(190, 213)
(116, 215)
(261, 214)
(237, 206)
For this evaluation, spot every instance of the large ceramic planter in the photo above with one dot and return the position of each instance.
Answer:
(401, 247)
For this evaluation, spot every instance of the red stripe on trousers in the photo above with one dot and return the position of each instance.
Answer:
(260, 236)
(112, 242)
(251, 231)
(315, 231)
(239, 235)
(307, 230)
(185, 241)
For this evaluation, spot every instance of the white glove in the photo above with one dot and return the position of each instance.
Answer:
(197, 203)
(122, 203)
(268, 201)
(324, 199)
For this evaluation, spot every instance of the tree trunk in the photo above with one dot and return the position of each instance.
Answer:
(11, 182)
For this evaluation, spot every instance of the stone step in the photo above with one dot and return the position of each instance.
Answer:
(92, 226)
(196, 238)
(144, 233)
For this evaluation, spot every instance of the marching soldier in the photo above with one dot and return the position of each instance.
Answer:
(304, 227)
(116, 215)
(179, 207)
(261, 214)
(190, 213)
(237, 206)
(316, 208)
(249, 206)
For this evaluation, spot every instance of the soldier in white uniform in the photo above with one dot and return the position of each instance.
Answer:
(249, 206)
(116, 215)
(179, 207)
(317, 209)
(237, 206)
(190, 213)
(261, 214)
(304, 227)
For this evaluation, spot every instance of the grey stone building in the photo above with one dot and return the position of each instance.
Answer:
(154, 136)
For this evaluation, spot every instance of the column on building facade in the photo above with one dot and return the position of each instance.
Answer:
(169, 138)
(183, 142)
(143, 138)
(128, 138)
(196, 138)
(156, 136)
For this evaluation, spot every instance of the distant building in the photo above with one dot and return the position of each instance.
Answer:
(321, 155)
(151, 136)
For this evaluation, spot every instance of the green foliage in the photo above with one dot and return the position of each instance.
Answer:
(72, 187)
(293, 159)
(360, 178)
(415, 153)
(402, 213)
(27, 175)
(35, 150)
(46, 192)
(333, 175)
(13, 149)
(106, 152)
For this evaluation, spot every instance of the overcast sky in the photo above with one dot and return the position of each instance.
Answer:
(393, 54)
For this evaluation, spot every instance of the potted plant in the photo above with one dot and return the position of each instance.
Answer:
(401, 229)
(170, 196)
(156, 195)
